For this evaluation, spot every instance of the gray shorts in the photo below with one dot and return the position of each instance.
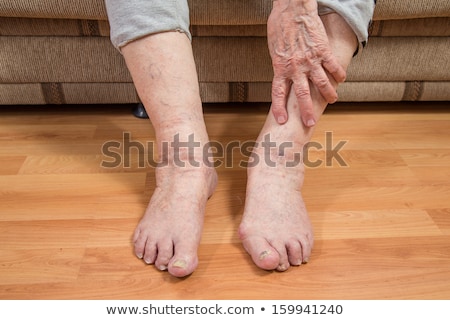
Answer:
(357, 13)
(150, 17)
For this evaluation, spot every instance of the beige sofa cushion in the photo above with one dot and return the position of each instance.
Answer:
(56, 54)
(212, 12)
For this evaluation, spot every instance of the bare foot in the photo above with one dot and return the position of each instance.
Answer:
(276, 230)
(170, 231)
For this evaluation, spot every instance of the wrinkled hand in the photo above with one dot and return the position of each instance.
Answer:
(301, 53)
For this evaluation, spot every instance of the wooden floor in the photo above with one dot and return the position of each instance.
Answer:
(382, 223)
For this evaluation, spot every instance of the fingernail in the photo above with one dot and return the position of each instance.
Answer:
(311, 123)
(281, 119)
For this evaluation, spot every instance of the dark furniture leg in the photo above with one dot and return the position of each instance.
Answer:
(139, 111)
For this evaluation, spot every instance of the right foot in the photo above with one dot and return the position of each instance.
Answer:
(169, 234)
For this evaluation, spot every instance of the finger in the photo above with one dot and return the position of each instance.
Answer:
(321, 80)
(334, 68)
(303, 94)
(280, 88)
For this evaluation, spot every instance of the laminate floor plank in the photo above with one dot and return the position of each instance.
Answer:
(75, 181)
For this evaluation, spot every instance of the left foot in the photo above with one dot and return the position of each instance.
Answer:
(276, 230)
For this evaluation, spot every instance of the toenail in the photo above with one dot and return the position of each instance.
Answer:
(306, 260)
(140, 256)
(282, 267)
(162, 268)
(263, 255)
(180, 264)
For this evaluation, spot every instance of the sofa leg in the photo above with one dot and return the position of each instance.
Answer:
(139, 111)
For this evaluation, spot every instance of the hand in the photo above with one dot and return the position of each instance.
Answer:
(300, 51)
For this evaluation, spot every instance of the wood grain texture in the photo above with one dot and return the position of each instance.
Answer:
(382, 222)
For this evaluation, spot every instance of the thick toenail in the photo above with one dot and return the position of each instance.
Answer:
(263, 255)
(180, 264)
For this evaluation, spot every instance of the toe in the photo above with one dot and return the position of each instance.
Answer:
(150, 252)
(183, 266)
(165, 254)
(263, 254)
(184, 261)
(283, 263)
(307, 245)
(294, 251)
(139, 240)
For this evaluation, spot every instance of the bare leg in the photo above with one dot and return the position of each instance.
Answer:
(276, 230)
(163, 70)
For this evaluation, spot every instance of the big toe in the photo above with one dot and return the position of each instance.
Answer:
(185, 260)
(263, 254)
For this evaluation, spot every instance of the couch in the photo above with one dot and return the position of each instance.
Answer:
(59, 52)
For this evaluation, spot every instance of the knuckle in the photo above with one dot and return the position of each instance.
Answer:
(302, 92)
(322, 83)
(299, 59)
(278, 91)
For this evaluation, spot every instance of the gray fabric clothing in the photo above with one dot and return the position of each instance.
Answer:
(134, 19)
(357, 13)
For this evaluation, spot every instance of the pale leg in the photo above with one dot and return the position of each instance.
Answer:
(163, 70)
(275, 229)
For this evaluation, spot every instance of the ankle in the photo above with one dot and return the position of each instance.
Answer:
(270, 151)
